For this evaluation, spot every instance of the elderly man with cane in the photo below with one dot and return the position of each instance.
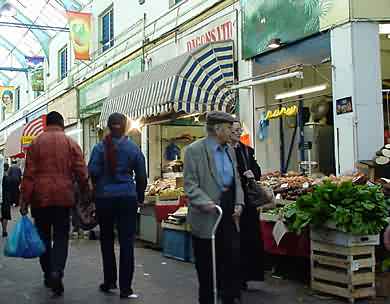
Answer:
(211, 179)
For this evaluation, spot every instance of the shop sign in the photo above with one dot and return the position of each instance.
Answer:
(287, 21)
(223, 28)
(101, 88)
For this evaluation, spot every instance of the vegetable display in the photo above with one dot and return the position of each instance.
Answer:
(355, 209)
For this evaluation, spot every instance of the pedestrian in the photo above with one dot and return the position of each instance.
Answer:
(252, 248)
(54, 161)
(14, 179)
(117, 170)
(5, 205)
(211, 178)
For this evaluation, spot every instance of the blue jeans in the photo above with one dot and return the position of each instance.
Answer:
(120, 212)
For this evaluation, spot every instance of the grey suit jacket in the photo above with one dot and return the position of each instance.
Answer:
(201, 184)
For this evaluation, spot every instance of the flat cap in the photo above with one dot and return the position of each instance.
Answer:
(217, 117)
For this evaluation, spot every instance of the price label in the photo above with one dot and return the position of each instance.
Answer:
(305, 185)
(284, 186)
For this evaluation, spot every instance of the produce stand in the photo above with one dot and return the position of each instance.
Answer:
(342, 256)
(162, 198)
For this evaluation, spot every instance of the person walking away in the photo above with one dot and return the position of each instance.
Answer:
(14, 180)
(5, 205)
(252, 249)
(54, 161)
(117, 169)
(211, 178)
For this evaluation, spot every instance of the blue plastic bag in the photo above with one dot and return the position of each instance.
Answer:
(24, 241)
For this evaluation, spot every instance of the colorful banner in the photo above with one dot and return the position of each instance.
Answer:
(37, 80)
(287, 21)
(80, 33)
(34, 61)
(7, 95)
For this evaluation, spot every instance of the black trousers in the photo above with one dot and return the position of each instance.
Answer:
(122, 213)
(53, 227)
(227, 258)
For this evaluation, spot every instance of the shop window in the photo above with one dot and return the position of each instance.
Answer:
(63, 63)
(107, 29)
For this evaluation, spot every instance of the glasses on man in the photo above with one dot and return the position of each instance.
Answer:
(237, 131)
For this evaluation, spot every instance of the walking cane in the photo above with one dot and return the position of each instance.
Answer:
(213, 253)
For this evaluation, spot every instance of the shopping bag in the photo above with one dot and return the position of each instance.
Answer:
(24, 241)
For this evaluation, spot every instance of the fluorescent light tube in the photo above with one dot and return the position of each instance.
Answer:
(303, 91)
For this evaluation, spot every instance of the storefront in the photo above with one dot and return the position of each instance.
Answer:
(170, 101)
(316, 102)
(335, 85)
(94, 92)
(175, 94)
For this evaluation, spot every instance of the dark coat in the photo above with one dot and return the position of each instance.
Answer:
(252, 249)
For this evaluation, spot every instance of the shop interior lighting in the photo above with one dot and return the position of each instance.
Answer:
(250, 83)
(136, 125)
(384, 29)
(303, 91)
(275, 43)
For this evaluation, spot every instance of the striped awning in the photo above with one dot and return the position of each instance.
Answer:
(195, 82)
(31, 130)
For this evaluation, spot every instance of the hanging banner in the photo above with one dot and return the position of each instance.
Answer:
(80, 33)
(35, 61)
(37, 81)
(7, 94)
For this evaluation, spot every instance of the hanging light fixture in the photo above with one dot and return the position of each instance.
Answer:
(275, 43)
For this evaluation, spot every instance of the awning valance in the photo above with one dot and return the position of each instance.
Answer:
(194, 82)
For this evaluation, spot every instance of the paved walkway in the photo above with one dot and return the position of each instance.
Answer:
(157, 280)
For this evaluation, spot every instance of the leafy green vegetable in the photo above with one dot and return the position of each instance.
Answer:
(355, 209)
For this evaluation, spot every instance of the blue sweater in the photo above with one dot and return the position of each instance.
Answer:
(130, 178)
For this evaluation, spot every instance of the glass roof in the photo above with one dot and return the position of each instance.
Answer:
(18, 42)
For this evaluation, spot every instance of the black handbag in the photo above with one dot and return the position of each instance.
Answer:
(257, 195)
(85, 210)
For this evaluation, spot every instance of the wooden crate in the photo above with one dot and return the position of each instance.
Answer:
(347, 272)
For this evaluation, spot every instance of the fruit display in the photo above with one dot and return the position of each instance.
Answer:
(165, 188)
(172, 192)
(289, 186)
(283, 111)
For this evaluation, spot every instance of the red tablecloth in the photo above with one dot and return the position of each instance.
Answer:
(291, 244)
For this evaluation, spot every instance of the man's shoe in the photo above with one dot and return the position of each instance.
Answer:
(57, 286)
(5, 234)
(129, 295)
(107, 287)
